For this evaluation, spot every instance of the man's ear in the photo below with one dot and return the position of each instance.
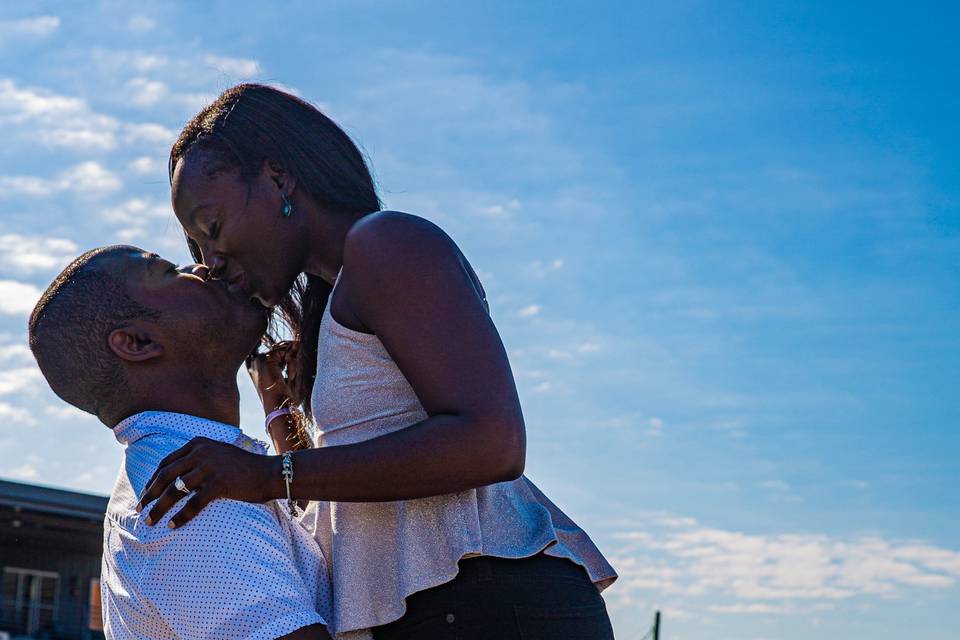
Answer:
(135, 342)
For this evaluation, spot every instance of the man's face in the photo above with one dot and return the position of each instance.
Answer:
(202, 322)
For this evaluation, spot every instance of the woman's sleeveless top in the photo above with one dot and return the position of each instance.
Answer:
(381, 552)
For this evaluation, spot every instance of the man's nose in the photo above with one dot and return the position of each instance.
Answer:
(199, 270)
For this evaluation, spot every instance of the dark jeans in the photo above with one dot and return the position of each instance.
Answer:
(536, 598)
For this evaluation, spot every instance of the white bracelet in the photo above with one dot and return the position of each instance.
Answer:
(282, 411)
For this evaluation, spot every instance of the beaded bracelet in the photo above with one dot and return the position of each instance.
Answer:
(287, 472)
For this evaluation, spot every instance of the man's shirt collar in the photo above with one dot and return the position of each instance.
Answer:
(186, 427)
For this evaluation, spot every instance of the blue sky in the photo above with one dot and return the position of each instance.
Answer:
(720, 242)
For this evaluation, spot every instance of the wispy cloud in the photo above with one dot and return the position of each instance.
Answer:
(53, 119)
(17, 298)
(40, 26)
(89, 178)
(19, 379)
(677, 557)
(141, 24)
(238, 68)
(28, 254)
(136, 211)
(16, 414)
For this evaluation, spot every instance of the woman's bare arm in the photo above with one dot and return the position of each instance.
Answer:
(404, 280)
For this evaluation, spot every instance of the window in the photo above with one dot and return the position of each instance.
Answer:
(28, 600)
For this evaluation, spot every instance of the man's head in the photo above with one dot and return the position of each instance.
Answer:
(119, 327)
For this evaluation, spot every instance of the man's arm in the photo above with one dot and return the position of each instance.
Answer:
(237, 570)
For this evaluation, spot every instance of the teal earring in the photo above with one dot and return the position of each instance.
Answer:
(287, 208)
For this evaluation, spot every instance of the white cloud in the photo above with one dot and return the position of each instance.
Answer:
(145, 92)
(239, 68)
(529, 311)
(145, 165)
(27, 254)
(774, 573)
(150, 133)
(543, 268)
(19, 379)
(15, 353)
(136, 211)
(40, 26)
(589, 347)
(500, 210)
(9, 413)
(67, 412)
(17, 298)
(62, 121)
(23, 472)
(89, 178)
(53, 119)
(140, 24)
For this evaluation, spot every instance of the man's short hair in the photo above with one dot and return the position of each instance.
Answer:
(70, 326)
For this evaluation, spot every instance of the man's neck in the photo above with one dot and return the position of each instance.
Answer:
(213, 401)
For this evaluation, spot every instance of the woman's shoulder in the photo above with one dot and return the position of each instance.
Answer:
(392, 253)
(387, 238)
(389, 226)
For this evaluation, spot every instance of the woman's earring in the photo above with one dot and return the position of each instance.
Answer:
(287, 208)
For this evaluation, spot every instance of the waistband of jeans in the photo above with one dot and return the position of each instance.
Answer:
(488, 566)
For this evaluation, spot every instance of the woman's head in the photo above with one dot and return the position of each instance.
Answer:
(239, 161)
(233, 169)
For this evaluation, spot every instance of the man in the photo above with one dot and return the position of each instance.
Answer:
(153, 352)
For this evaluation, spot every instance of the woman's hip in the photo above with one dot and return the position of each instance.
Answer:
(531, 598)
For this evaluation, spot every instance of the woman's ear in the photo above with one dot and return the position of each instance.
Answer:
(284, 181)
(135, 343)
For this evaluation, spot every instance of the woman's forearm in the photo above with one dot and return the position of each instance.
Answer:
(442, 454)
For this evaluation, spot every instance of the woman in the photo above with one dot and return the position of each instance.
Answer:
(423, 512)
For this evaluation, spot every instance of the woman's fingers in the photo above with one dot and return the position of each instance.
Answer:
(156, 483)
(193, 480)
(169, 495)
(194, 505)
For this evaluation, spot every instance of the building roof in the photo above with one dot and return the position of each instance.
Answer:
(40, 499)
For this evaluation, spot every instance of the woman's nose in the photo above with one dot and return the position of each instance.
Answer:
(216, 267)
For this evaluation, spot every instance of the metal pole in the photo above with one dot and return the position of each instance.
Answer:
(656, 626)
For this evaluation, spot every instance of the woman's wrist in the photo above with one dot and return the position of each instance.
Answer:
(272, 402)
(271, 481)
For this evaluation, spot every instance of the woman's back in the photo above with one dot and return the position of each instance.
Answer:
(382, 552)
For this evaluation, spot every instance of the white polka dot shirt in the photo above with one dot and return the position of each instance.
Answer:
(237, 570)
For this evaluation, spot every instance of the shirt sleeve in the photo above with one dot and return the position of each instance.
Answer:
(237, 570)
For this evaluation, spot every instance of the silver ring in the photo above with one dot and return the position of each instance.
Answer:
(179, 484)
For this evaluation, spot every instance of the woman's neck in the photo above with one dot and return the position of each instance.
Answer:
(327, 238)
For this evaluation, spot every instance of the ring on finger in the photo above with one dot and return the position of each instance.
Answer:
(181, 485)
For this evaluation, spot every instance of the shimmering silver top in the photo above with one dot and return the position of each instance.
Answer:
(380, 553)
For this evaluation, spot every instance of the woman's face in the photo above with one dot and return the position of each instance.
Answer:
(243, 237)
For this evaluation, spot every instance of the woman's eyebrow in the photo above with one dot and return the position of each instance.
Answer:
(192, 216)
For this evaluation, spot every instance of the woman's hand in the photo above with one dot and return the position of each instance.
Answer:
(267, 372)
(212, 470)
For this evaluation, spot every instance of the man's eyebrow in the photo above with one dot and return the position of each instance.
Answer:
(153, 260)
